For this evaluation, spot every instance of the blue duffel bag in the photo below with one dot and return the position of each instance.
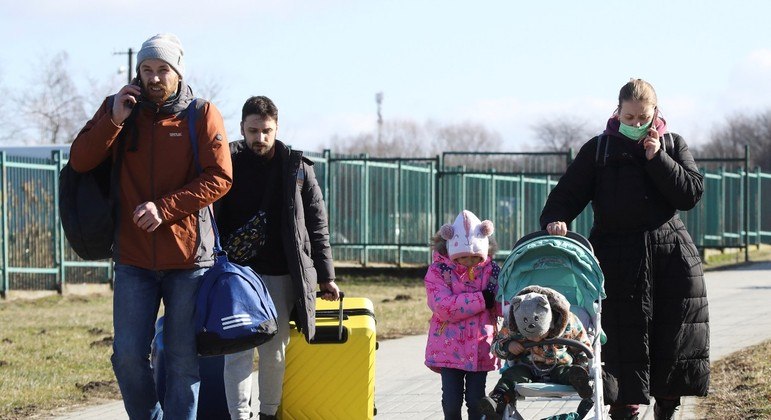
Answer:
(234, 311)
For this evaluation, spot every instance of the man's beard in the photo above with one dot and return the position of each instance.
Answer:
(158, 96)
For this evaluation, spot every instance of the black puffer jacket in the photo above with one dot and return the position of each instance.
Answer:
(655, 316)
(303, 222)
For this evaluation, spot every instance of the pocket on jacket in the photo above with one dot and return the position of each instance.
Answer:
(689, 254)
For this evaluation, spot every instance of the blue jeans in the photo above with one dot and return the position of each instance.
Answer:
(453, 392)
(136, 299)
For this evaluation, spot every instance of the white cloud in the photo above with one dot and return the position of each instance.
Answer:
(750, 83)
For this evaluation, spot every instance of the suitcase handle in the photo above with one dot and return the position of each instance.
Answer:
(339, 315)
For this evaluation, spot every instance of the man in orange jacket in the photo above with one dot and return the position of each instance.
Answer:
(163, 237)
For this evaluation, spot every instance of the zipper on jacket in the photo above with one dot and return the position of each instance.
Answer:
(152, 182)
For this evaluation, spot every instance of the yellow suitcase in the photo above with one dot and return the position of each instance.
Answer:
(333, 377)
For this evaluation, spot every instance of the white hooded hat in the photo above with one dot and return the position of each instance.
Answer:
(467, 236)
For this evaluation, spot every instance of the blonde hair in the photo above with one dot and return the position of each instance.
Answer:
(637, 90)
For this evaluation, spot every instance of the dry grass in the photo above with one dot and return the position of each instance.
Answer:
(54, 352)
(740, 386)
(400, 304)
(717, 260)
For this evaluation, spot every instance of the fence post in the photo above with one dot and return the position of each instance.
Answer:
(746, 202)
(521, 206)
(56, 156)
(4, 210)
(327, 175)
(398, 213)
(758, 202)
(438, 192)
(438, 164)
(365, 209)
(328, 199)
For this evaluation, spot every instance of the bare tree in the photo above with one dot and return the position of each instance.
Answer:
(53, 107)
(212, 89)
(398, 138)
(407, 138)
(207, 87)
(561, 134)
(464, 137)
(7, 125)
(728, 140)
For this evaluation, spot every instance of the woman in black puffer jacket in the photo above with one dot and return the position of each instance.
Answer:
(637, 176)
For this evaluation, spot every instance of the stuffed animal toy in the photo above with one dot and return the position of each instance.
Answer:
(539, 313)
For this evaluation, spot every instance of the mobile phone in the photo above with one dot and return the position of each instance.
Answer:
(652, 126)
(137, 82)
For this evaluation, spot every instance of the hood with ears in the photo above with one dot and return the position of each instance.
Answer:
(560, 308)
(467, 236)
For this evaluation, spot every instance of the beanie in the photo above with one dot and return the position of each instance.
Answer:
(164, 47)
(467, 236)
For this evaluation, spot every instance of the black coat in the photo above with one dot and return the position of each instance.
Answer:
(304, 227)
(655, 315)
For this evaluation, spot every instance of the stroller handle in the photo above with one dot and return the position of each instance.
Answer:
(571, 235)
(565, 341)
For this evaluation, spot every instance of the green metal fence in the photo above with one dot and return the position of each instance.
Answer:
(381, 211)
(509, 189)
(35, 254)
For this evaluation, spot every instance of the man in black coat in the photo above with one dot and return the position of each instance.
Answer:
(279, 184)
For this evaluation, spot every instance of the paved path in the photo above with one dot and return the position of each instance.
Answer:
(740, 314)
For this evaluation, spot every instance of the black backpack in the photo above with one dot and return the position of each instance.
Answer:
(87, 208)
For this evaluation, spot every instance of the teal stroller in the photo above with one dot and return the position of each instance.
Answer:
(566, 264)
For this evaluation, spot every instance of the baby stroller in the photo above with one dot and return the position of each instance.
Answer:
(566, 264)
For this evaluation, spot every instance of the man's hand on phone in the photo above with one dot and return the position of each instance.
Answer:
(125, 99)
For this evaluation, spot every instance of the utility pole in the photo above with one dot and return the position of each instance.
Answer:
(379, 101)
(130, 70)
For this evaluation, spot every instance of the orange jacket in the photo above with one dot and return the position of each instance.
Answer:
(161, 170)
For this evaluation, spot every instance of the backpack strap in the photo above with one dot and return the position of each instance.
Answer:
(196, 106)
(601, 146)
(668, 143)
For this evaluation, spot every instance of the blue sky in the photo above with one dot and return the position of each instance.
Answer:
(505, 64)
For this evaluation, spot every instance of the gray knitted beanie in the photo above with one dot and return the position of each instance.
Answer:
(164, 47)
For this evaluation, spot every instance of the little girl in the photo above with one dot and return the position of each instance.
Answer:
(460, 288)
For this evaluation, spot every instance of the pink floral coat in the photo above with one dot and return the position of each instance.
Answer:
(461, 328)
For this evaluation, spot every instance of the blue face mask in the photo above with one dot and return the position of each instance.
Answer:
(632, 132)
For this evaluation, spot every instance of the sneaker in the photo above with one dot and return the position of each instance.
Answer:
(264, 416)
(493, 405)
(579, 378)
